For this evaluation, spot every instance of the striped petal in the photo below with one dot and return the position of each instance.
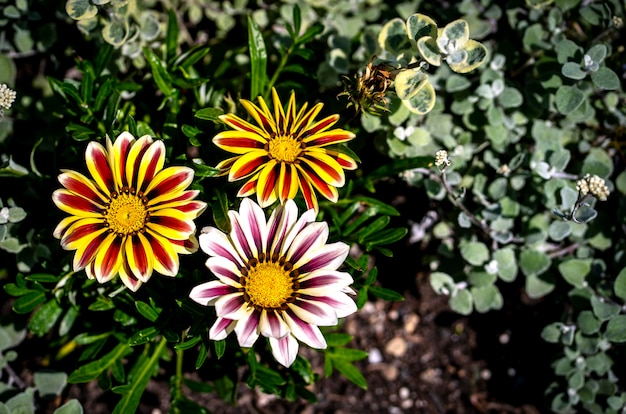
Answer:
(311, 238)
(271, 325)
(108, 260)
(81, 185)
(334, 136)
(232, 306)
(313, 312)
(118, 159)
(225, 270)
(341, 303)
(171, 223)
(287, 182)
(75, 204)
(128, 278)
(62, 227)
(207, 293)
(98, 165)
(305, 332)
(140, 257)
(185, 203)
(239, 142)
(215, 243)
(345, 161)
(168, 184)
(280, 224)
(165, 257)
(318, 183)
(247, 329)
(82, 232)
(284, 350)
(322, 281)
(247, 164)
(262, 115)
(325, 167)
(309, 194)
(320, 126)
(88, 248)
(239, 124)
(266, 184)
(150, 160)
(329, 256)
(221, 328)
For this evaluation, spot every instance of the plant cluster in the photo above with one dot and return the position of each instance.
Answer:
(178, 171)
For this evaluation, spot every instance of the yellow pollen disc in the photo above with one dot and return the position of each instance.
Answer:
(126, 214)
(268, 285)
(284, 148)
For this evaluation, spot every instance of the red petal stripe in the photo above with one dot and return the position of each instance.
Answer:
(80, 231)
(141, 258)
(149, 164)
(79, 187)
(91, 250)
(101, 164)
(77, 202)
(324, 123)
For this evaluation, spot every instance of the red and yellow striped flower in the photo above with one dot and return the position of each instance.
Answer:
(284, 152)
(132, 216)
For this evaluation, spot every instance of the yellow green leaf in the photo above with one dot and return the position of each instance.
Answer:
(429, 50)
(80, 9)
(419, 25)
(409, 82)
(423, 101)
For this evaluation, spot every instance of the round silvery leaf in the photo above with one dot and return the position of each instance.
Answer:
(419, 25)
(80, 9)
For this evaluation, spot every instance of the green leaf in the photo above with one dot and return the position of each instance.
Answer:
(50, 383)
(336, 339)
(552, 333)
(419, 25)
(605, 78)
(620, 285)
(568, 98)
(573, 71)
(393, 36)
(588, 323)
(91, 370)
(45, 318)
(159, 73)
(574, 271)
(351, 372)
(220, 348)
(188, 344)
(461, 302)
(507, 264)
(409, 82)
(146, 311)
(486, 298)
(602, 309)
(423, 101)
(220, 212)
(171, 37)
(210, 114)
(537, 287)
(28, 302)
(385, 294)
(80, 9)
(115, 32)
(73, 406)
(616, 329)
(475, 253)
(258, 59)
(142, 374)
(534, 262)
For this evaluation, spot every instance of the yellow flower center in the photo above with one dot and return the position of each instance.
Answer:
(284, 148)
(269, 285)
(127, 213)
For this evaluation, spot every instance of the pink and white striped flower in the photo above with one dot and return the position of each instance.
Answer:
(277, 278)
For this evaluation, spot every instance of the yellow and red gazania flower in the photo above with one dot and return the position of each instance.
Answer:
(284, 152)
(132, 217)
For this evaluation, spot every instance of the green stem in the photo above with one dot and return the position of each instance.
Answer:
(178, 377)
(279, 69)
